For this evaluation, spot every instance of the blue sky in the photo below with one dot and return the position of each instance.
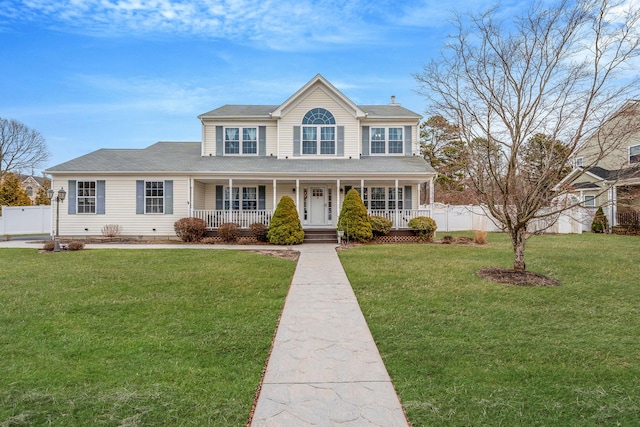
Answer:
(92, 74)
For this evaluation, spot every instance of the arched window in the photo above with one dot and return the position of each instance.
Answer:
(318, 132)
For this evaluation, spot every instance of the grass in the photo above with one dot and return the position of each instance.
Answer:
(128, 337)
(465, 351)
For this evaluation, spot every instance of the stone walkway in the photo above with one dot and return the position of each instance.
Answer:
(325, 369)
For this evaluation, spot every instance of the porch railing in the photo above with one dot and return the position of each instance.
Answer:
(401, 217)
(214, 218)
(244, 219)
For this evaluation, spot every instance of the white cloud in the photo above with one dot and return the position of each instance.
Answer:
(282, 25)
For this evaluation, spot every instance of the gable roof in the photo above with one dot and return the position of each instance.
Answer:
(392, 111)
(185, 157)
(332, 91)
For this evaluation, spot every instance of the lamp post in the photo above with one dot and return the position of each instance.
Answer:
(59, 198)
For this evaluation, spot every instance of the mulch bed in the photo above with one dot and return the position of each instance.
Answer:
(512, 277)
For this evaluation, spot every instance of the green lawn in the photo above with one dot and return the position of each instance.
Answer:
(128, 337)
(463, 351)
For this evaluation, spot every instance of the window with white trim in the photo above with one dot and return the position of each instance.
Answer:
(241, 140)
(589, 201)
(249, 198)
(154, 197)
(579, 162)
(386, 140)
(86, 198)
(382, 198)
(318, 132)
(634, 154)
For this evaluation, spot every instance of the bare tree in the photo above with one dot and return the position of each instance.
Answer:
(21, 148)
(516, 89)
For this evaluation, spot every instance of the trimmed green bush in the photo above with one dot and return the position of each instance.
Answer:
(380, 226)
(600, 222)
(424, 226)
(354, 220)
(190, 229)
(285, 227)
(259, 231)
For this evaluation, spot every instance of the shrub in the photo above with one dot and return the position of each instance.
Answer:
(600, 223)
(48, 245)
(190, 229)
(75, 245)
(259, 231)
(380, 226)
(208, 240)
(229, 232)
(424, 227)
(110, 230)
(353, 219)
(480, 237)
(447, 240)
(285, 227)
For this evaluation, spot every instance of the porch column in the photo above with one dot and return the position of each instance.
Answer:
(397, 202)
(275, 198)
(298, 198)
(338, 202)
(191, 196)
(228, 213)
(411, 207)
(362, 192)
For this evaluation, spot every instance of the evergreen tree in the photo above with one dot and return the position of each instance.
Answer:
(285, 227)
(354, 220)
(12, 193)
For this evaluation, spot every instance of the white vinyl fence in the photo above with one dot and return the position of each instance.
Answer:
(463, 218)
(25, 220)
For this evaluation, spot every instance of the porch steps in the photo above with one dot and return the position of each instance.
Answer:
(320, 236)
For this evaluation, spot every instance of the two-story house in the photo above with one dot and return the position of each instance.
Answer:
(313, 147)
(607, 166)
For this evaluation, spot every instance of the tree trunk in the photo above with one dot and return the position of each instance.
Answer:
(518, 240)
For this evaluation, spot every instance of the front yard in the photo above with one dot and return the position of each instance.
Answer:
(135, 337)
(180, 337)
(465, 351)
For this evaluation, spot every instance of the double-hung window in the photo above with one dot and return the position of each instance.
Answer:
(241, 140)
(634, 154)
(249, 198)
(249, 201)
(86, 198)
(589, 201)
(318, 132)
(386, 140)
(378, 198)
(154, 197)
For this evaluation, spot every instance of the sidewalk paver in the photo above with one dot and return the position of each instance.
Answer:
(324, 368)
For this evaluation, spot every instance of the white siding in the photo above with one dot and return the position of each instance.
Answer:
(318, 98)
(120, 202)
(209, 133)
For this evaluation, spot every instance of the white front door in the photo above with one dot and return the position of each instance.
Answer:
(318, 206)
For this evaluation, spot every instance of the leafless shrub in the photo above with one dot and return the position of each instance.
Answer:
(480, 237)
(110, 230)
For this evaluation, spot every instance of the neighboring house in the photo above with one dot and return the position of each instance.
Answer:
(314, 147)
(32, 184)
(610, 177)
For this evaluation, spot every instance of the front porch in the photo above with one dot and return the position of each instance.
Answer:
(400, 218)
(248, 200)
